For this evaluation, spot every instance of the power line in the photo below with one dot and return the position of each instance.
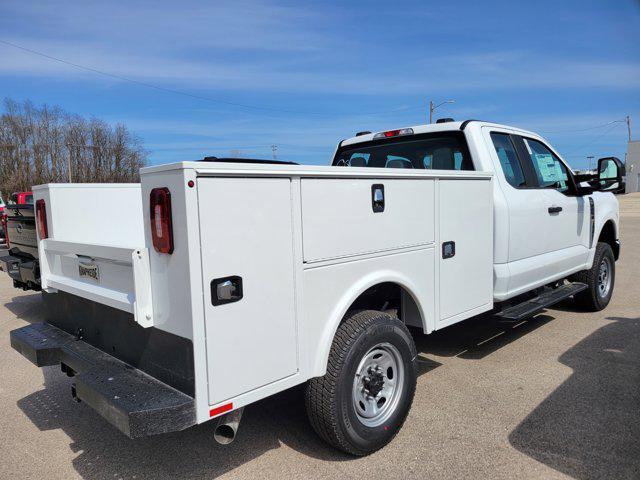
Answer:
(187, 94)
(584, 129)
(593, 140)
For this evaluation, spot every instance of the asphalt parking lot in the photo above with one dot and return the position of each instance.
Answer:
(557, 396)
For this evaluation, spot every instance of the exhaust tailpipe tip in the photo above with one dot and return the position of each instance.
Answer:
(224, 434)
(227, 427)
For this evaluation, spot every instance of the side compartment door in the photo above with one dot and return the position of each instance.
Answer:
(248, 273)
(466, 248)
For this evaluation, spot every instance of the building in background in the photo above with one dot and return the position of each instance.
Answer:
(633, 166)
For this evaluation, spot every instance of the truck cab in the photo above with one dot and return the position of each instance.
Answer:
(21, 198)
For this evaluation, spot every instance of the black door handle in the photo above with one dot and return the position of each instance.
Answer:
(554, 210)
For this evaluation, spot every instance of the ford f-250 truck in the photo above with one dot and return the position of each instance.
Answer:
(229, 282)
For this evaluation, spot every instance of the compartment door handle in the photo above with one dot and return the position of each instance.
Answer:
(377, 197)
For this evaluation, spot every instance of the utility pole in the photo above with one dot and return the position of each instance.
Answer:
(274, 151)
(69, 177)
(628, 120)
(433, 106)
(589, 158)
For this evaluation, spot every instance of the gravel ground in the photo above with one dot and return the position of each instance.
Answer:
(553, 397)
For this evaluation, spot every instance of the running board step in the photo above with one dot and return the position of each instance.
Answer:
(536, 305)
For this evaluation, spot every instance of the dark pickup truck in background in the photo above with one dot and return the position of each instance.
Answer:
(21, 260)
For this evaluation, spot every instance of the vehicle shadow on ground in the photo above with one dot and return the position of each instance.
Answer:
(477, 337)
(27, 307)
(589, 427)
(276, 422)
(105, 453)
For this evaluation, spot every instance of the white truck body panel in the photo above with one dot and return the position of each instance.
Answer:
(76, 216)
(326, 203)
(260, 250)
(85, 212)
(283, 230)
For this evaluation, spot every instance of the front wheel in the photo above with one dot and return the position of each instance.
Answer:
(600, 280)
(362, 401)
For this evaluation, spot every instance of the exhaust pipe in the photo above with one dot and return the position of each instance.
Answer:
(227, 427)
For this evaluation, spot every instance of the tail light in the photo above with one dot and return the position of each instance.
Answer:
(161, 225)
(41, 219)
(5, 227)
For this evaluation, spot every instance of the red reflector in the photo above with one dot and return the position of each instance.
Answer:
(41, 219)
(161, 224)
(221, 409)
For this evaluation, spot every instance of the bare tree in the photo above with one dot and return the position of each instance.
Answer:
(46, 144)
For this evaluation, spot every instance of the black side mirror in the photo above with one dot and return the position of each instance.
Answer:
(611, 175)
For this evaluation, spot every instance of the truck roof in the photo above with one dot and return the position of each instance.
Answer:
(262, 168)
(434, 127)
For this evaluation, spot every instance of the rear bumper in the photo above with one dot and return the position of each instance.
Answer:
(134, 402)
(23, 269)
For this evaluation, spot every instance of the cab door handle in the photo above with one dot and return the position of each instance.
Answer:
(554, 209)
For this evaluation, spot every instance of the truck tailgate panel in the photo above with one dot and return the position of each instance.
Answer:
(134, 402)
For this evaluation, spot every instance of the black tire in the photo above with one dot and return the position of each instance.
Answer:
(593, 298)
(330, 399)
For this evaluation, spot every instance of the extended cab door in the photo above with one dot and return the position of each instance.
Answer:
(566, 225)
(546, 222)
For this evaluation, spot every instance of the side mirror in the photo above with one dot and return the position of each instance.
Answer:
(611, 175)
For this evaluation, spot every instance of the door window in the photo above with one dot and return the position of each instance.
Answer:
(551, 172)
(508, 159)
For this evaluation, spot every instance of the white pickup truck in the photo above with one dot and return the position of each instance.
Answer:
(227, 282)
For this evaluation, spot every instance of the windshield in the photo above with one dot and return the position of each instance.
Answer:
(444, 151)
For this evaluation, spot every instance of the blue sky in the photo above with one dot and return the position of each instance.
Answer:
(312, 73)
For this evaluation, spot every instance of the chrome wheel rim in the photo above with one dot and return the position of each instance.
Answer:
(604, 277)
(377, 385)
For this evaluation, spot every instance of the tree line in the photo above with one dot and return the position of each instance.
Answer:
(44, 144)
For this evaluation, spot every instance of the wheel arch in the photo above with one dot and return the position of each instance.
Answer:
(609, 234)
(351, 300)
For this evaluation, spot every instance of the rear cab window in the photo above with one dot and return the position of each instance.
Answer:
(508, 159)
(432, 151)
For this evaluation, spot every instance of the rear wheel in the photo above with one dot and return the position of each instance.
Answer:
(600, 280)
(360, 404)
